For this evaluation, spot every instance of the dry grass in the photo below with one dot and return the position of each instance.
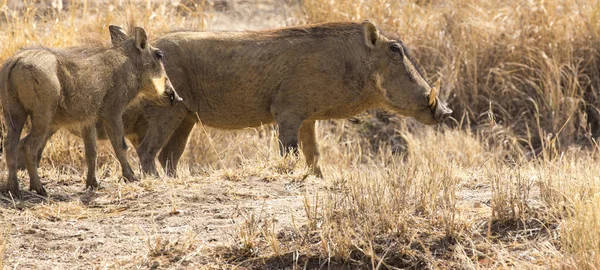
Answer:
(511, 185)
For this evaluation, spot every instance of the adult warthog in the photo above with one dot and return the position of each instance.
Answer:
(291, 76)
(73, 88)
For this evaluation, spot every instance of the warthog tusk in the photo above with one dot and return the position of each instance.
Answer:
(433, 94)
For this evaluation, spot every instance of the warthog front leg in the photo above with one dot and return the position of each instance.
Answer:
(309, 146)
(173, 149)
(114, 131)
(14, 122)
(91, 154)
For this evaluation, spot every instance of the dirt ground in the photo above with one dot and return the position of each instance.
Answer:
(100, 229)
(196, 221)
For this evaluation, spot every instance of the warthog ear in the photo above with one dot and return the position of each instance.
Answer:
(370, 33)
(434, 92)
(117, 34)
(141, 38)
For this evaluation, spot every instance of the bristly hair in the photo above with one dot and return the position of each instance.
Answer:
(77, 51)
(318, 30)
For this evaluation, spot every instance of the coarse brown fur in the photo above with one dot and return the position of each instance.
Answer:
(291, 76)
(72, 88)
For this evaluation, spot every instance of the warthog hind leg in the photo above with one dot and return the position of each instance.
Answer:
(162, 121)
(15, 120)
(21, 156)
(40, 127)
(172, 151)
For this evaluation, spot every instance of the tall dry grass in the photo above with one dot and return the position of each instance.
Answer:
(511, 185)
(450, 201)
(35, 24)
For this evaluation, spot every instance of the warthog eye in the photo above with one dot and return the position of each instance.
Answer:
(159, 55)
(395, 48)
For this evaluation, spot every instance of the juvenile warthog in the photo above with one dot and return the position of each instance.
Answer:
(291, 76)
(73, 88)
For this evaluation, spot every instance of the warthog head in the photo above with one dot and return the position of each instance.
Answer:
(154, 83)
(400, 80)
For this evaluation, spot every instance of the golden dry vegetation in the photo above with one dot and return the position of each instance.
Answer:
(512, 183)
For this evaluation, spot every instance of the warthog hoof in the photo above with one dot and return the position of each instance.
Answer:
(149, 169)
(317, 172)
(39, 190)
(91, 183)
(130, 178)
(14, 190)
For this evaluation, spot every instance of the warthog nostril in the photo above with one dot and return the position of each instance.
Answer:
(174, 98)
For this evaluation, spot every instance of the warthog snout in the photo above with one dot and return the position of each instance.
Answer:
(442, 112)
(171, 93)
